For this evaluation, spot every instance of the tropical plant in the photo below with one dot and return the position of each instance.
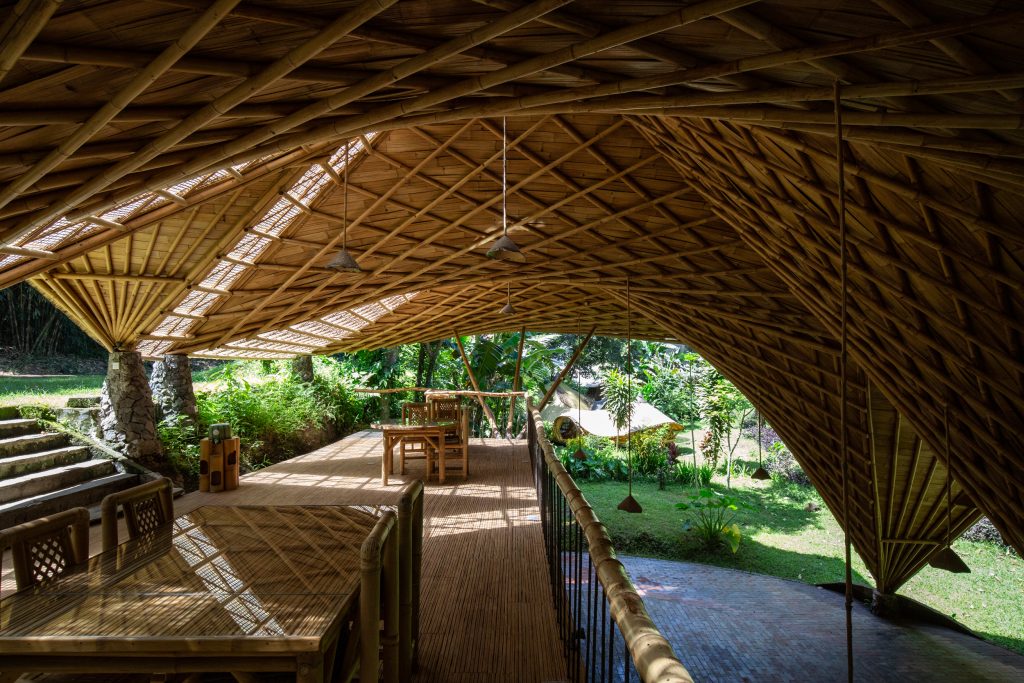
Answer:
(689, 475)
(712, 518)
(619, 397)
(724, 407)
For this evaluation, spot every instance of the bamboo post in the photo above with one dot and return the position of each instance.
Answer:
(565, 370)
(476, 387)
(370, 564)
(515, 382)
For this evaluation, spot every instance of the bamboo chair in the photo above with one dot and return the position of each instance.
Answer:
(413, 413)
(147, 507)
(444, 409)
(458, 448)
(47, 548)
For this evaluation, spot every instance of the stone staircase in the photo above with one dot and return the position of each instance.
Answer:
(42, 473)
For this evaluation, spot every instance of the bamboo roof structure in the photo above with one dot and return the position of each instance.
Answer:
(173, 173)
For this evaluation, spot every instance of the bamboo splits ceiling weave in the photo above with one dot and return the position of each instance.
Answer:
(171, 178)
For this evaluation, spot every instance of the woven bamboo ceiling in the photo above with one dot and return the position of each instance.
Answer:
(173, 177)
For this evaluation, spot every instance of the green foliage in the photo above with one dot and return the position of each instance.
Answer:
(619, 396)
(650, 455)
(712, 518)
(180, 439)
(29, 324)
(277, 415)
(691, 475)
(722, 405)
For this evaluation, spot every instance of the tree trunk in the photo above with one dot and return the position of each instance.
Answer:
(434, 352)
(419, 364)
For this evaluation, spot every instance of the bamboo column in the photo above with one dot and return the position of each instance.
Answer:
(476, 387)
(565, 370)
(515, 382)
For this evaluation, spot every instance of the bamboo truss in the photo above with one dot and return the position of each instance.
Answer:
(686, 148)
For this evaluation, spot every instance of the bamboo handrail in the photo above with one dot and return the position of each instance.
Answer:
(652, 654)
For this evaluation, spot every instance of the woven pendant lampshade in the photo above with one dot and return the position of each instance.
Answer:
(507, 308)
(504, 249)
(343, 261)
(760, 473)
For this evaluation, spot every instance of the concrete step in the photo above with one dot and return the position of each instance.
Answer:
(86, 494)
(28, 485)
(31, 443)
(17, 427)
(18, 465)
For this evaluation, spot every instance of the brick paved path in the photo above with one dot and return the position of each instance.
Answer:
(735, 627)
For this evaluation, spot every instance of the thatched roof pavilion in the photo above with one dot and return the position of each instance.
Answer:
(173, 178)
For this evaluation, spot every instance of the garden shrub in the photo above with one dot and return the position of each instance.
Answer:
(276, 416)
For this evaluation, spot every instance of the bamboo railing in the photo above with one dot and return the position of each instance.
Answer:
(601, 616)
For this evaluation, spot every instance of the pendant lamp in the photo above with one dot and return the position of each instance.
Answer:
(580, 454)
(507, 308)
(504, 249)
(947, 558)
(629, 503)
(343, 261)
(760, 472)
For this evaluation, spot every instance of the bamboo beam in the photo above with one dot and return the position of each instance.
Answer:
(117, 231)
(772, 60)
(568, 366)
(297, 56)
(367, 87)
(23, 24)
(115, 104)
(27, 252)
(476, 387)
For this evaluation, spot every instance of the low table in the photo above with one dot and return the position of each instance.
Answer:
(394, 432)
(238, 589)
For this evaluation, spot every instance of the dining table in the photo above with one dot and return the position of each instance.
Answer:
(432, 432)
(293, 588)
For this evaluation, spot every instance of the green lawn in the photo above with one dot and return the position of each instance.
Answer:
(51, 390)
(782, 538)
(54, 390)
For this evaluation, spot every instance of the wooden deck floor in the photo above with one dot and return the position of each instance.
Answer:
(486, 611)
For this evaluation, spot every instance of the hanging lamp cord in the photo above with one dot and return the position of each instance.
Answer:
(843, 341)
(504, 178)
(629, 387)
(344, 213)
(949, 481)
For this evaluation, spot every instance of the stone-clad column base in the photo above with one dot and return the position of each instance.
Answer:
(171, 384)
(126, 409)
(302, 367)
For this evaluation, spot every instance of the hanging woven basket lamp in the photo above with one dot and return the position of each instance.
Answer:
(760, 473)
(504, 249)
(507, 308)
(343, 261)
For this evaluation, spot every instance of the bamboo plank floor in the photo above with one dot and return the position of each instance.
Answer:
(486, 610)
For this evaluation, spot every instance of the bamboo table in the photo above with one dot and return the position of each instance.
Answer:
(237, 589)
(394, 432)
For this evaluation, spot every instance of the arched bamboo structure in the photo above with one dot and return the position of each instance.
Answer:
(170, 179)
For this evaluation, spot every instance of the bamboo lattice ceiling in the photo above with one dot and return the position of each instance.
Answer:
(172, 178)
